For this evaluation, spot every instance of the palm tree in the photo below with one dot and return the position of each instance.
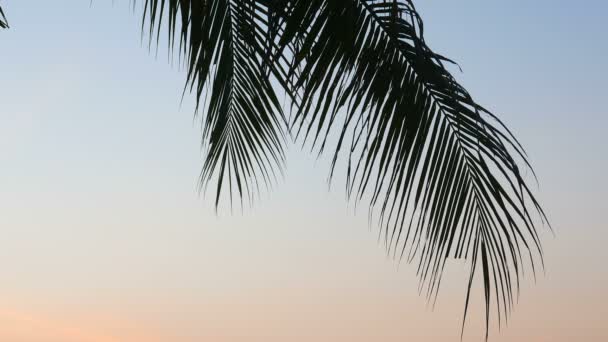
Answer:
(441, 171)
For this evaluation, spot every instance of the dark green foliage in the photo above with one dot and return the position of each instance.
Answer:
(3, 22)
(440, 170)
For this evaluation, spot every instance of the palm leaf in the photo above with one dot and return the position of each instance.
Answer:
(243, 126)
(439, 167)
(441, 171)
(3, 22)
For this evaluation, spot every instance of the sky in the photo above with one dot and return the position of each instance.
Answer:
(104, 236)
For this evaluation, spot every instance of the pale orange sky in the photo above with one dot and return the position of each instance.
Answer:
(103, 236)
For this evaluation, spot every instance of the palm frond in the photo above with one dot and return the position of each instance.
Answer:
(438, 166)
(243, 125)
(441, 171)
(3, 22)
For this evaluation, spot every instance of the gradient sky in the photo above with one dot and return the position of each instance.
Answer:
(104, 237)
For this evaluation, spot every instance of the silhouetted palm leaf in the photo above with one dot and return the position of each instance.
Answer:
(436, 164)
(224, 42)
(3, 22)
(429, 156)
